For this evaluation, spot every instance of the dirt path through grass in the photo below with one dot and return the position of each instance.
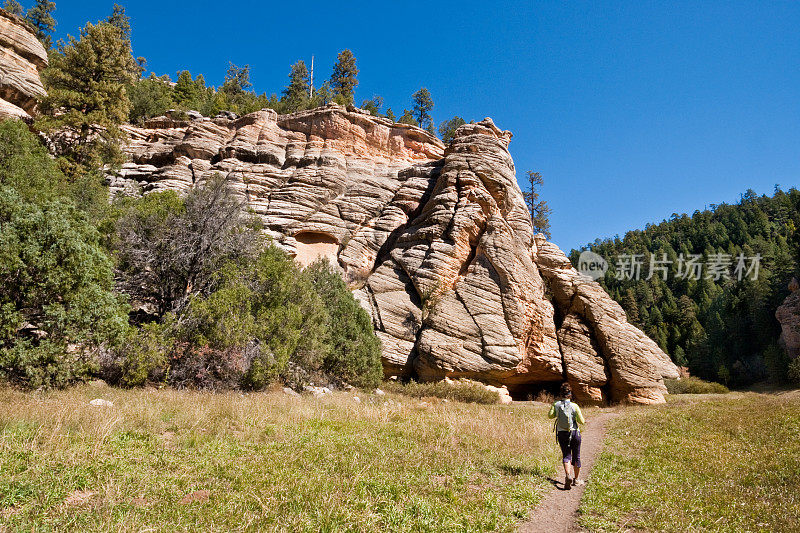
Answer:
(557, 512)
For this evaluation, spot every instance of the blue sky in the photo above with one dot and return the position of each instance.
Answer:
(630, 110)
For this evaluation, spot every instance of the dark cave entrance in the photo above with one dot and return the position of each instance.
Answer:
(546, 391)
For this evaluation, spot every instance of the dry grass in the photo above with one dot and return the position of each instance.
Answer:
(461, 391)
(173, 460)
(700, 463)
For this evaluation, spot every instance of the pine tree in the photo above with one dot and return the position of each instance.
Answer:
(120, 20)
(390, 114)
(41, 17)
(630, 307)
(408, 118)
(13, 7)
(295, 95)
(447, 129)
(87, 98)
(373, 105)
(423, 105)
(187, 92)
(344, 78)
(150, 97)
(539, 210)
(237, 80)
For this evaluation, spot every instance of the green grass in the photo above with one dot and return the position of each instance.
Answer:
(270, 462)
(693, 385)
(700, 463)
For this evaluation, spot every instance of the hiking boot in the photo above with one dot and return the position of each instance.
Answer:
(567, 483)
(576, 482)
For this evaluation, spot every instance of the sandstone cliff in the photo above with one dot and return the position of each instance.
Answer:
(788, 314)
(435, 242)
(22, 57)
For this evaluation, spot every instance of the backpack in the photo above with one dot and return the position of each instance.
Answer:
(565, 416)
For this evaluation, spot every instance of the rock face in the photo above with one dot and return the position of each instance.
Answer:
(435, 242)
(788, 314)
(22, 57)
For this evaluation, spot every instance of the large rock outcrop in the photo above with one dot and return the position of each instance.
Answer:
(22, 57)
(788, 314)
(435, 242)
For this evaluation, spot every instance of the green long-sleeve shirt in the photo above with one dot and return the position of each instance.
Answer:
(578, 414)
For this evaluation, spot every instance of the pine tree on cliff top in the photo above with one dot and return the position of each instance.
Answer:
(423, 105)
(13, 7)
(41, 17)
(295, 95)
(408, 118)
(343, 79)
(87, 97)
(540, 211)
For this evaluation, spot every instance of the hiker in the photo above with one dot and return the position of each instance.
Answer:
(568, 415)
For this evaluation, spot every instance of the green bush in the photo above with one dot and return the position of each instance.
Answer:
(459, 391)
(262, 315)
(144, 357)
(57, 285)
(232, 310)
(353, 353)
(693, 385)
(794, 371)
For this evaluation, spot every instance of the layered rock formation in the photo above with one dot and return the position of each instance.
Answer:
(22, 57)
(788, 314)
(435, 242)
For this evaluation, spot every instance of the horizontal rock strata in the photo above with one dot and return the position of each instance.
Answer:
(22, 57)
(435, 242)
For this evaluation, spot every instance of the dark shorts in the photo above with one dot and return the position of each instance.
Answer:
(570, 448)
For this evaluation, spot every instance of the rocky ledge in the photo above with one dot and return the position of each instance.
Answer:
(435, 242)
(22, 57)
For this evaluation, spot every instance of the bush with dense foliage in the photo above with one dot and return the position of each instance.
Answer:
(57, 304)
(794, 371)
(353, 351)
(693, 385)
(725, 329)
(230, 309)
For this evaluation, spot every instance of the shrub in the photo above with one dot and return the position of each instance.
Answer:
(794, 371)
(35, 364)
(693, 385)
(150, 97)
(460, 391)
(141, 358)
(263, 315)
(57, 279)
(353, 352)
(169, 248)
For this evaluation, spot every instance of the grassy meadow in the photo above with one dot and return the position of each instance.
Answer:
(701, 463)
(179, 461)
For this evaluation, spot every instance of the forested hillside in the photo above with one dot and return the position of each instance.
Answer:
(714, 313)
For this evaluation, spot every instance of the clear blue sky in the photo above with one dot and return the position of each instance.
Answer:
(631, 110)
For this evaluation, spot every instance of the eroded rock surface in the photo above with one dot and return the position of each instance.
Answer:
(435, 242)
(22, 57)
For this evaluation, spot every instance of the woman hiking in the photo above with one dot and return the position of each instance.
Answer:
(568, 415)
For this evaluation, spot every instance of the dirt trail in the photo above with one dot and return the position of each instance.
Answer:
(558, 511)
